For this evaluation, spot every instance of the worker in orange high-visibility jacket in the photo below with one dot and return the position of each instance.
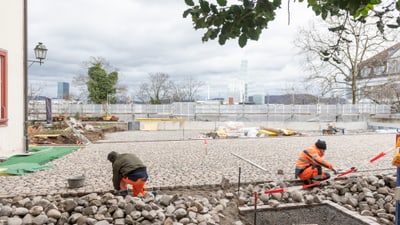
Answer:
(310, 162)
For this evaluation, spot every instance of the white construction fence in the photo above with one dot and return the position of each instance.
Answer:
(213, 112)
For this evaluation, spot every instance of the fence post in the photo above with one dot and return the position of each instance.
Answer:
(194, 112)
(219, 112)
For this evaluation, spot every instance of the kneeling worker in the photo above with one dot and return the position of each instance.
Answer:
(310, 162)
(128, 169)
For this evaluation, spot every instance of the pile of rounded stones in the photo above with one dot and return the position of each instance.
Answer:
(102, 209)
(371, 196)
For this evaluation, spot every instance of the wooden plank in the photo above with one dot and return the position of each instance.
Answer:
(160, 120)
(46, 135)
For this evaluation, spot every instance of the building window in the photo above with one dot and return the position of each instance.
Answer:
(398, 64)
(392, 66)
(378, 70)
(3, 88)
(365, 72)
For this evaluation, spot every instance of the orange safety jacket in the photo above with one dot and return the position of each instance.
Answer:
(312, 156)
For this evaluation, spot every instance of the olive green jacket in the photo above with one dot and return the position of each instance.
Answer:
(123, 165)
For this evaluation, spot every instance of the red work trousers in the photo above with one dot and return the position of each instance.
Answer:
(138, 186)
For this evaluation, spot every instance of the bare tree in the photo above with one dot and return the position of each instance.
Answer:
(34, 91)
(157, 89)
(80, 82)
(178, 93)
(332, 59)
(142, 94)
(187, 90)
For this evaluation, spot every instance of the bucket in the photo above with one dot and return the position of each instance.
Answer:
(76, 182)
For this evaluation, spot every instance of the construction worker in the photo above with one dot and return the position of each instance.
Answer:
(128, 169)
(310, 162)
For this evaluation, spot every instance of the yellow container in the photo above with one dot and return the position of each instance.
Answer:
(396, 158)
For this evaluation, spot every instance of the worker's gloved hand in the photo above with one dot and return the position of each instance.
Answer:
(334, 171)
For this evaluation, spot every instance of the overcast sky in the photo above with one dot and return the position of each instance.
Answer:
(139, 37)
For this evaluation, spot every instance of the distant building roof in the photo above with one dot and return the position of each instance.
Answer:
(381, 58)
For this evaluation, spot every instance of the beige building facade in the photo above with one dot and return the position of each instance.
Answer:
(12, 76)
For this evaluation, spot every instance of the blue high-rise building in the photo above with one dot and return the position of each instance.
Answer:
(62, 90)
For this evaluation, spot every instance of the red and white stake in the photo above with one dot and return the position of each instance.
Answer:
(205, 145)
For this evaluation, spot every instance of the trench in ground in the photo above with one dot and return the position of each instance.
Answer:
(325, 213)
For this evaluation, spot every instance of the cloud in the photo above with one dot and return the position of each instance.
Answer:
(139, 37)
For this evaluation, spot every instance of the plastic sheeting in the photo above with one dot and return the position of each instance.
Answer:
(35, 160)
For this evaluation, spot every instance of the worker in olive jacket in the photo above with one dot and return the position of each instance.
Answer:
(128, 169)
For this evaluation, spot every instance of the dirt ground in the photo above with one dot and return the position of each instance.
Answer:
(61, 134)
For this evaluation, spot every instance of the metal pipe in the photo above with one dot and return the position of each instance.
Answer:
(255, 207)
(240, 171)
(25, 77)
(259, 167)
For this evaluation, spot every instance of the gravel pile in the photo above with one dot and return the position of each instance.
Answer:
(370, 196)
(174, 160)
(109, 209)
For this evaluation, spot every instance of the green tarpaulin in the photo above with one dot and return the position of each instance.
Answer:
(35, 160)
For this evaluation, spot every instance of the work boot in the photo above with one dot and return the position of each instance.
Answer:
(123, 193)
(325, 183)
(306, 182)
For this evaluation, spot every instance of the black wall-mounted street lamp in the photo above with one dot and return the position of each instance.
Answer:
(40, 53)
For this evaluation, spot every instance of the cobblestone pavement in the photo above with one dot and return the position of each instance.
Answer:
(174, 159)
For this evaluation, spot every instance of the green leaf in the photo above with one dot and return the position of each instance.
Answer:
(337, 28)
(222, 39)
(214, 9)
(242, 40)
(277, 3)
(205, 7)
(214, 33)
(357, 14)
(248, 4)
(324, 53)
(336, 60)
(210, 34)
(254, 34)
(189, 2)
(200, 23)
(324, 14)
(375, 2)
(218, 21)
(226, 28)
(236, 9)
(221, 2)
(186, 13)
